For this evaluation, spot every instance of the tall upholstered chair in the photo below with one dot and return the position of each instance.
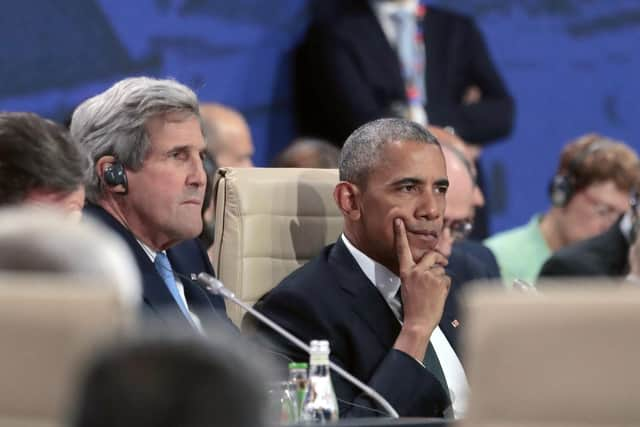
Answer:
(268, 222)
(564, 357)
(49, 326)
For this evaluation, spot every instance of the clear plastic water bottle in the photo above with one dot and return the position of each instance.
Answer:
(298, 384)
(320, 404)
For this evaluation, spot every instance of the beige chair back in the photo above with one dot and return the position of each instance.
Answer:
(49, 326)
(565, 357)
(268, 222)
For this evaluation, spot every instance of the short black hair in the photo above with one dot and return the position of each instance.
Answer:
(36, 153)
(362, 150)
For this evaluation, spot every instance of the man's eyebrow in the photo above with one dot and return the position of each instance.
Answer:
(407, 181)
(442, 182)
(185, 148)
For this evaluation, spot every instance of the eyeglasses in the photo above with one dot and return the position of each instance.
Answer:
(459, 228)
(602, 209)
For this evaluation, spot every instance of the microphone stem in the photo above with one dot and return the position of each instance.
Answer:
(214, 285)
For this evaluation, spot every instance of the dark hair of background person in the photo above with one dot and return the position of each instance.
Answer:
(170, 382)
(308, 153)
(36, 153)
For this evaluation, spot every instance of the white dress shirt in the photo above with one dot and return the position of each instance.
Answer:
(388, 284)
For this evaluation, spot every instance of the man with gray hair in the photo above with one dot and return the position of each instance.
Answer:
(146, 143)
(378, 293)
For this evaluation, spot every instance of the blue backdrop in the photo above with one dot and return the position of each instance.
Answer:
(572, 66)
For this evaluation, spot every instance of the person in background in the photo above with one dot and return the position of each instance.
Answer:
(589, 193)
(40, 164)
(378, 293)
(228, 136)
(308, 153)
(468, 259)
(229, 144)
(146, 145)
(610, 254)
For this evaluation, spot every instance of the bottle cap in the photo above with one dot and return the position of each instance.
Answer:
(319, 346)
(298, 365)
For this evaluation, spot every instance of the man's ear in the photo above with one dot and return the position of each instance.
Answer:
(347, 197)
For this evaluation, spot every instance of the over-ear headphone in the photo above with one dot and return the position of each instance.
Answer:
(114, 175)
(562, 186)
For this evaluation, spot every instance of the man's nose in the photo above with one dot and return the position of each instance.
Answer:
(197, 175)
(429, 206)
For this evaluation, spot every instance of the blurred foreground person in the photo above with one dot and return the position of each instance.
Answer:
(36, 240)
(169, 383)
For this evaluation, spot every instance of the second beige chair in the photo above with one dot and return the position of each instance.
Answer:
(566, 357)
(270, 221)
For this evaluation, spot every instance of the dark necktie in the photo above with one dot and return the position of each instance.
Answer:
(431, 361)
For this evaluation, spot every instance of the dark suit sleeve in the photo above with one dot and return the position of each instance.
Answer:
(492, 117)
(408, 387)
(565, 265)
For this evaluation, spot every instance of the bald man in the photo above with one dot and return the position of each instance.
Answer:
(464, 195)
(229, 140)
(468, 260)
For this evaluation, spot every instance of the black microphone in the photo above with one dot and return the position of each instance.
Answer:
(215, 286)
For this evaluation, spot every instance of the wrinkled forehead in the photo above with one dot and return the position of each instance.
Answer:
(399, 159)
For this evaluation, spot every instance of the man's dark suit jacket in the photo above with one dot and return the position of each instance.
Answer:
(469, 261)
(602, 255)
(331, 298)
(348, 74)
(186, 258)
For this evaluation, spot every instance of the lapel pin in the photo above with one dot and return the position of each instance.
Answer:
(455, 323)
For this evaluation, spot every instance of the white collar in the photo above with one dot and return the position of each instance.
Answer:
(388, 7)
(625, 224)
(380, 276)
(150, 252)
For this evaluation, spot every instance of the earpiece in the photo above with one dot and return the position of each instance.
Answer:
(114, 175)
(562, 187)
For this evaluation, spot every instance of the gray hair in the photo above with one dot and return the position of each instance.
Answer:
(114, 121)
(362, 149)
(42, 240)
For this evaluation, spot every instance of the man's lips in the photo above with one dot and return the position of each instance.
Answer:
(193, 202)
(431, 233)
(427, 236)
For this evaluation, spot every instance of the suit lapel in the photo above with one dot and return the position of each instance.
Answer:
(183, 261)
(388, 68)
(615, 257)
(433, 27)
(155, 294)
(365, 299)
